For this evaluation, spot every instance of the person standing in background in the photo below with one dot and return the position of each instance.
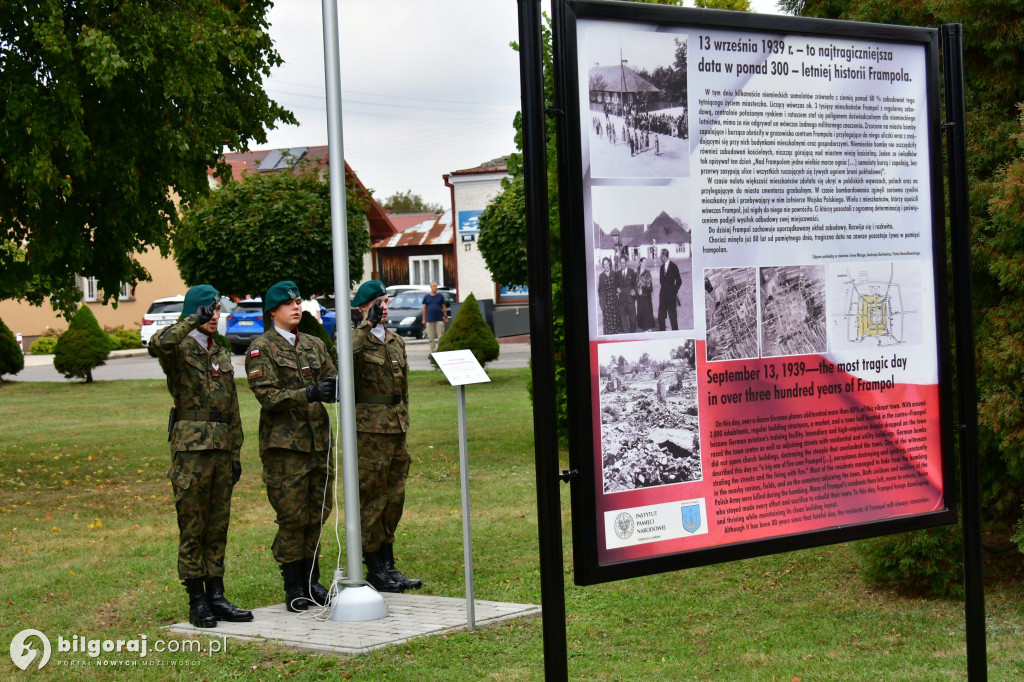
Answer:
(435, 314)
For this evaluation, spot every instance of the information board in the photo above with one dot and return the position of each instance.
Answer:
(759, 285)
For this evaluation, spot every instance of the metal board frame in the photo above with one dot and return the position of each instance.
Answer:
(580, 362)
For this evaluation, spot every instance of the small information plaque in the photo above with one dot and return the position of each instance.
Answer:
(461, 367)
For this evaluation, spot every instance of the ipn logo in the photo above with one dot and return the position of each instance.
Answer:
(23, 654)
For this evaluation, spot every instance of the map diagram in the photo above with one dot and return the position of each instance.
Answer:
(875, 305)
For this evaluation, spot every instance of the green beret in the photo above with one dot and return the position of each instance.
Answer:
(282, 292)
(200, 294)
(368, 291)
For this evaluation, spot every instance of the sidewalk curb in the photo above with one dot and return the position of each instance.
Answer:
(43, 360)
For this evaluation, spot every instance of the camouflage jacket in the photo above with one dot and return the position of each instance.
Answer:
(279, 374)
(381, 375)
(200, 382)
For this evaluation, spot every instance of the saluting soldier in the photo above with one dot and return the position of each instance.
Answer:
(291, 374)
(205, 432)
(381, 376)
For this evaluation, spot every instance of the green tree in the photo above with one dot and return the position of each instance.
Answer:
(407, 202)
(265, 228)
(12, 360)
(82, 347)
(469, 331)
(108, 104)
(734, 5)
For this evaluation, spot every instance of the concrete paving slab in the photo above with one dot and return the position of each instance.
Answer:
(409, 616)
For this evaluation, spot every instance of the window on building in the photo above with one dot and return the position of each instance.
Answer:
(426, 269)
(90, 291)
(125, 294)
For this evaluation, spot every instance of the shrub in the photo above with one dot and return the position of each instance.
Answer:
(922, 563)
(469, 331)
(82, 347)
(12, 360)
(44, 345)
(51, 333)
(124, 339)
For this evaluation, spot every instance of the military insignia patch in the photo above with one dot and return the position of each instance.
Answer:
(254, 353)
(292, 294)
(255, 374)
(216, 369)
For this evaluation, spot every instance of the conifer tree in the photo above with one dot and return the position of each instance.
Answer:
(82, 347)
(469, 330)
(12, 360)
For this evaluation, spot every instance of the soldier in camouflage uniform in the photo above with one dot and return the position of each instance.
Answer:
(381, 375)
(291, 374)
(205, 432)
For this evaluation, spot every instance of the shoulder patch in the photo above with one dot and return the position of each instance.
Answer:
(254, 353)
(255, 374)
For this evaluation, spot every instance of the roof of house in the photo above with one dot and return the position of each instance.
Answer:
(664, 229)
(614, 75)
(420, 229)
(498, 165)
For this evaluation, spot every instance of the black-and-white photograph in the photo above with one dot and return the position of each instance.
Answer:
(649, 427)
(634, 102)
(643, 260)
(730, 313)
(793, 310)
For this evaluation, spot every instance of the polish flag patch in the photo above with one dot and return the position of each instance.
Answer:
(254, 353)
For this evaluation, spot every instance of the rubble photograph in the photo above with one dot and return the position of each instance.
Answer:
(793, 310)
(730, 313)
(650, 434)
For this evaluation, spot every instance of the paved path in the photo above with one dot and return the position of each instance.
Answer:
(137, 364)
(409, 616)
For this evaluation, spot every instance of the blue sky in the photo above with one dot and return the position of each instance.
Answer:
(428, 87)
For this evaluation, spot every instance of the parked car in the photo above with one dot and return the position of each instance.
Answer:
(244, 324)
(405, 311)
(162, 312)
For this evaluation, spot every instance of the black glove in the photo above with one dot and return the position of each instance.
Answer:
(204, 313)
(376, 312)
(236, 471)
(323, 391)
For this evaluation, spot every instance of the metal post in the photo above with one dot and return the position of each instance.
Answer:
(974, 588)
(467, 534)
(363, 602)
(545, 426)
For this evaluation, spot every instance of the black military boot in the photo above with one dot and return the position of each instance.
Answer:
(377, 576)
(311, 587)
(223, 609)
(387, 555)
(199, 613)
(294, 595)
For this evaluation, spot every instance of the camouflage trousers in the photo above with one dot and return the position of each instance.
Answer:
(300, 487)
(202, 485)
(383, 469)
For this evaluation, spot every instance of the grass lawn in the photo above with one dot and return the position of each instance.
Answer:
(89, 543)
